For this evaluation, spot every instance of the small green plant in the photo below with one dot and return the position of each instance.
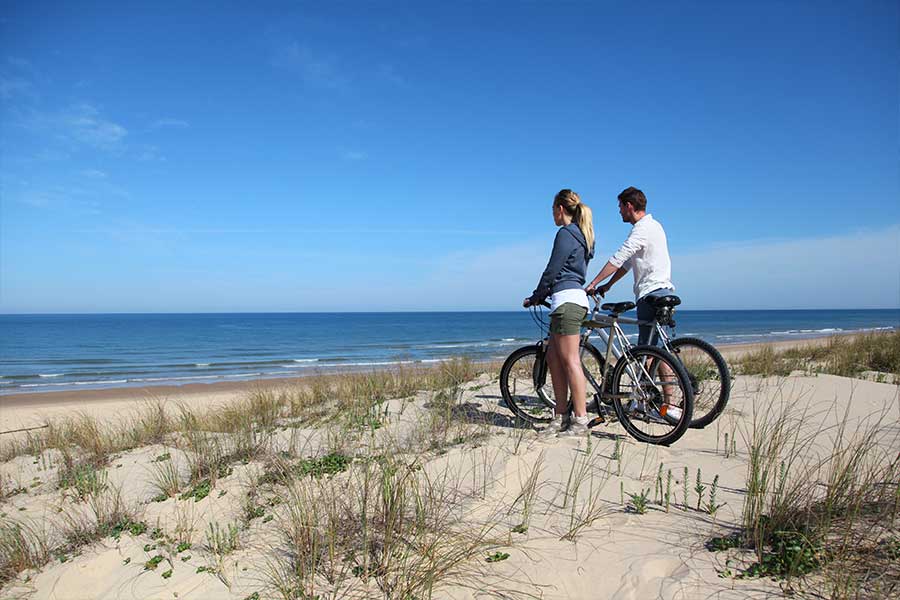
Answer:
(658, 489)
(520, 528)
(199, 491)
(126, 561)
(330, 464)
(617, 456)
(497, 557)
(712, 505)
(684, 486)
(668, 489)
(85, 479)
(162, 457)
(182, 547)
(151, 564)
(639, 502)
(699, 488)
(718, 544)
(166, 574)
(220, 540)
(135, 528)
(791, 554)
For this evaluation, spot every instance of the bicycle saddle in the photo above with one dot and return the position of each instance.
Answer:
(617, 307)
(663, 301)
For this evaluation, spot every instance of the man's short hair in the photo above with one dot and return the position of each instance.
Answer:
(634, 197)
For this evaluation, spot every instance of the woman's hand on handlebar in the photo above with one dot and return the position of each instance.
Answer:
(526, 302)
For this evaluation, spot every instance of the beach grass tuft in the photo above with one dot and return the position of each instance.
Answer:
(848, 356)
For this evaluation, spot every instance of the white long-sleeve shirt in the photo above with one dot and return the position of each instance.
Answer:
(646, 253)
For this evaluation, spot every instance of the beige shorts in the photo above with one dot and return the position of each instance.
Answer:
(567, 319)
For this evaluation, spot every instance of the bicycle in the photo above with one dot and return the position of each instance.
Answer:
(648, 389)
(708, 372)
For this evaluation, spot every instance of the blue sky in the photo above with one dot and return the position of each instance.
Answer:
(403, 156)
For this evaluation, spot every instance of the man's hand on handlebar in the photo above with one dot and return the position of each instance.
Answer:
(526, 302)
(601, 291)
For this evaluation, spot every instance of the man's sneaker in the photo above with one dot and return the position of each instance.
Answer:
(558, 425)
(673, 412)
(578, 427)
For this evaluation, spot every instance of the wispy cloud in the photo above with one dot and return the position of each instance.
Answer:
(20, 63)
(176, 123)
(16, 77)
(353, 155)
(315, 69)
(78, 125)
(853, 270)
(84, 123)
(16, 87)
(93, 174)
(388, 73)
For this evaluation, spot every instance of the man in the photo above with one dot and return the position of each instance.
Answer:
(645, 252)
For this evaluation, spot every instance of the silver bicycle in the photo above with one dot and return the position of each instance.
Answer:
(646, 388)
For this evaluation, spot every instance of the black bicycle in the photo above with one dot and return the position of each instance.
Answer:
(646, 388)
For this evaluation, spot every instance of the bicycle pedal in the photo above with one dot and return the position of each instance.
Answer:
(595, 421)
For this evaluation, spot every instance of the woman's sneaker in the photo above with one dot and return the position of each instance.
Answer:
(578, 427)
(558, 425)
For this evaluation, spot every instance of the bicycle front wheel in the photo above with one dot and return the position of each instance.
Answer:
(652, 395)
(526, 386)
(709, 377)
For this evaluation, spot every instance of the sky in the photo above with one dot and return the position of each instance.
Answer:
(368, 156)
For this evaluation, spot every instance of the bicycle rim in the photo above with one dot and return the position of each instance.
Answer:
(524, 396)
(709, 377)
(653, 395)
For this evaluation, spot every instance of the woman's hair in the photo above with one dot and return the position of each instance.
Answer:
(579, 211)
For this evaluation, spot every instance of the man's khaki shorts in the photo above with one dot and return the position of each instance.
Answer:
(567, 318)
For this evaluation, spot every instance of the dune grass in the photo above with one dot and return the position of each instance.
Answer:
(211, 441)
(848, 356)
(822, 503)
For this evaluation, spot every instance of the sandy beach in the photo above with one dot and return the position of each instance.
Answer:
(34, 409)
(522, 516)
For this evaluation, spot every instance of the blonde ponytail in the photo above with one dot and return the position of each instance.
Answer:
(584, 217)
(581, 214)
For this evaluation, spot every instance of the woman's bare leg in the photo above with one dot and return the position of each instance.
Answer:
(567, 353)
(558, 373)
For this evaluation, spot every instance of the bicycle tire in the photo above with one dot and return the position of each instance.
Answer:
(524, 402)
(646, 392)
(709, 401)
(517, 386)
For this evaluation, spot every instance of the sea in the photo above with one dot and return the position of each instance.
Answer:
(41, 353)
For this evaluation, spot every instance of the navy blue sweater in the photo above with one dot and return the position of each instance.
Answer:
(568, 263)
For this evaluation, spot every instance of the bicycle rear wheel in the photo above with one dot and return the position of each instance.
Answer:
(524, 384)
(652, 395)
(709, 377)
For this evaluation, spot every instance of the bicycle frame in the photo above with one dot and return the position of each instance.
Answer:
(617, 345)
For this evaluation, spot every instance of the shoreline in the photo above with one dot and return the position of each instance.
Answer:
(47, 399)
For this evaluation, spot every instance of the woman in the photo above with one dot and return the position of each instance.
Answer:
(563, 280)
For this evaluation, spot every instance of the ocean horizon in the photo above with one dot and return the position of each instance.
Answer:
(61, 352)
